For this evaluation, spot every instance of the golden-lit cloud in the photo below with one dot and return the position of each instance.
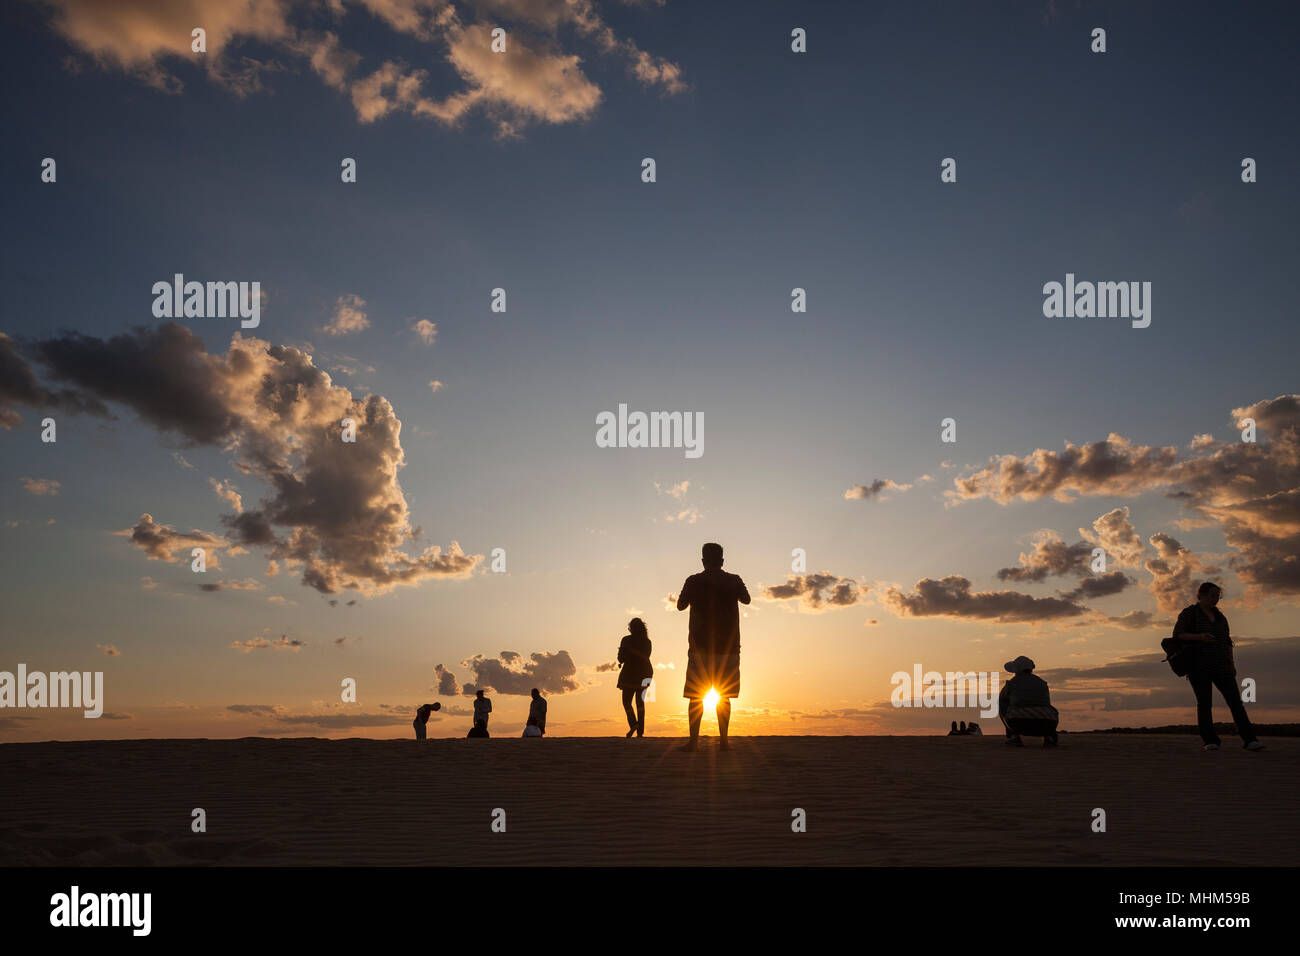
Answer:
(534, 80)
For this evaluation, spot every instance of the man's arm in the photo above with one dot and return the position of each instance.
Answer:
(743, 596)
(684, 599)
(1003, 698)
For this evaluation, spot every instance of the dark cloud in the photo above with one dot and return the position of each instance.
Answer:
(254, 708)
(335, 509)
(163, 543)
(1133, 620)
(817, 591)
(511, 674)
(19, 386)
(952, 597)
(1051, 556)
(447, 684)
(606, 667)
(1098, 586)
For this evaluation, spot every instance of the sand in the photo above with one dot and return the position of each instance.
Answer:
(912, 801)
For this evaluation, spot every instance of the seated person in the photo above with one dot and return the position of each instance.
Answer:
(531, 729)
(962, 729)
(479, 729)
(974, 729)
(1025, 705)
(954, 731)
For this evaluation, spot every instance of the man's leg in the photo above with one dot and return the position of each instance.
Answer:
(1202, 687)
(1227, 684)
(1013, 738)
(724, 721)
(695, 713)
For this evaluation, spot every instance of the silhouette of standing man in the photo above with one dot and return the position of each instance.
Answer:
(713, 661)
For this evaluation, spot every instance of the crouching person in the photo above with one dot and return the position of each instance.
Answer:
(1025, 705)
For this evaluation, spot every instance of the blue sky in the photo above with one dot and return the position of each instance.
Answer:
(775, 170)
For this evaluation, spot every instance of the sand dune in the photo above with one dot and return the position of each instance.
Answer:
(928, 801)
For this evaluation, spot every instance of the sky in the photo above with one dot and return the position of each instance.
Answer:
(523, 171)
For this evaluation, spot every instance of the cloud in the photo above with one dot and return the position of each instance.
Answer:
(606, 667)
(349, 316)
(426, 330)
(19, 386)
(534, 81)
(1172, 570)
(1051, 556)
(255, 708)
(41, 486)
(1099, 585)
(227, 492)
(1133, 620)
(111, 715)
(817, 592)
(282, 643)
(1114, 533)
(435, 386)
(245, 584)
(952, 597)
(109, 649)
(1250, 489)
(447, 684)
(677, 491)
(335, 509)
(136, 36)
(875, 489)
(162, 542)
(511, 674)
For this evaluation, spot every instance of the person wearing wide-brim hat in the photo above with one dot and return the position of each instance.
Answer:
(1025, 705)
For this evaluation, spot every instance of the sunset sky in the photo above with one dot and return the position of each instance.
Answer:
(523, 171)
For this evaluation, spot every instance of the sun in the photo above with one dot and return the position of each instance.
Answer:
(711, 700)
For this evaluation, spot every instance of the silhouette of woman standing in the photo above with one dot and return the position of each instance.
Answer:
(634, 655)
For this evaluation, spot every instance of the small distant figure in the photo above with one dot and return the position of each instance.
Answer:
(421, 721)
(634, 655)
(482, 708)
(713, 659)
(954, 732)
(537, 715)
(1025, 705)
(974, 729)
(1211, 665)
(962, 729)
(479, 729)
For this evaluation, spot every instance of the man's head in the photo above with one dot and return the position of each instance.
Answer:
(536, 693)
(711, 555)
(479, 695)
(1208, 594)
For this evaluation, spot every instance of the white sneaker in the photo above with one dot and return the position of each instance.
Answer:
(1211, 746)
(1254, 745)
